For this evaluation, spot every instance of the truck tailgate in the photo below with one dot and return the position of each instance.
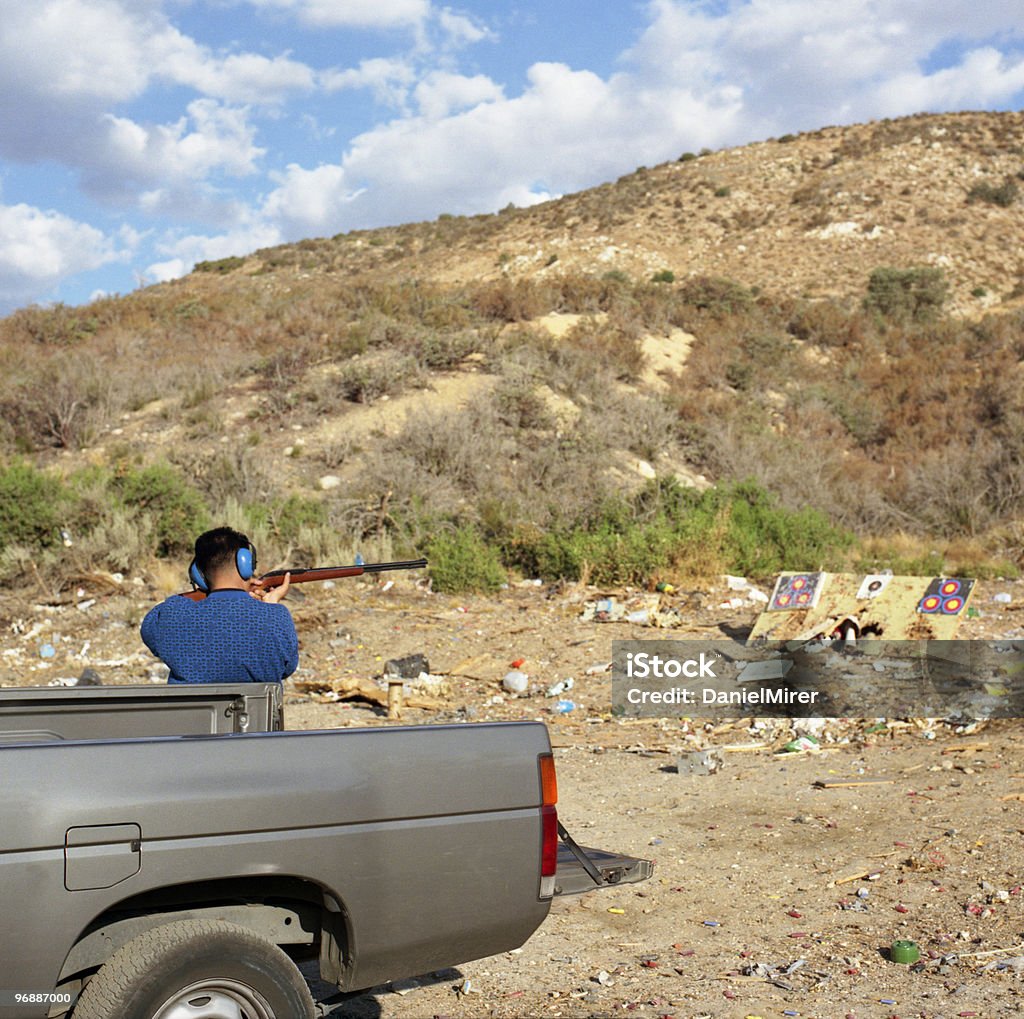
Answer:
(615, 869)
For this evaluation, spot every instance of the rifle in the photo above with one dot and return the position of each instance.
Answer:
(302, 575)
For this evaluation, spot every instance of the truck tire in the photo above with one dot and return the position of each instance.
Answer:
(197, 969)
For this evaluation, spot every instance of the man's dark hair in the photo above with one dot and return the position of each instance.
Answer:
(216, 549)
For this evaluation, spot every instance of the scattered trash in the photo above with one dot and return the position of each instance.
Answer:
(65, 536)
(595, 670)
(403, 987)
(89, 677)
(559, 688)
(700, 762)
(640, 610)
(604, 978)
(352, 689)
(904, 952)
(515, 682)
(47, 651)
(616, 910)
(1003, 598)
(758, 672)
(801, 743)
(158, 673)
(407, 668)
(564, 707)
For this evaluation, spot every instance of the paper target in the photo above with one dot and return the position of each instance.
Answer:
(873, 585)
(945, 596)
(795, 591)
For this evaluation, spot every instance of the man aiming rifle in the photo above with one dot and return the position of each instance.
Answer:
(238, 632)
(231, 627)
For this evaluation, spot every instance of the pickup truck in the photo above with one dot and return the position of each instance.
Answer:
(172, 852)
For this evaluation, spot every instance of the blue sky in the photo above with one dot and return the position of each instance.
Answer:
(140, 136)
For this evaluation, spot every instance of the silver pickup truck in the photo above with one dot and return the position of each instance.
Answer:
(171, 852)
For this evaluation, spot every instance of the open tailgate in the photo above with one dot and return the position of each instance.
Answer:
(573, 878)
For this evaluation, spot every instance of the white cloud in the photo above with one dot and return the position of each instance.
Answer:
(68, 67)
(159, 166)
(800, 64)
(985, 77)
(442, 93)
(239, 77)
(354, 13)
(37, 249)
(389, 78)
(309, 201)
(459, 29)
(77, 48)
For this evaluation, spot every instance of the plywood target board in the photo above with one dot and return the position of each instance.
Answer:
(807, 605)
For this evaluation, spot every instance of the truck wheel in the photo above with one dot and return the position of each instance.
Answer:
(197, 969)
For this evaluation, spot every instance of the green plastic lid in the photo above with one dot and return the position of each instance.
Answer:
(905, 952)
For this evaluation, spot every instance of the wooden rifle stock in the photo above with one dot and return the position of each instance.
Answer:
(302, 575)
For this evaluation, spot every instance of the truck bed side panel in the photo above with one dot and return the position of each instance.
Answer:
(361, 812)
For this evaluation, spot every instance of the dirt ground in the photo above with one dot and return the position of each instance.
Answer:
(772, 896)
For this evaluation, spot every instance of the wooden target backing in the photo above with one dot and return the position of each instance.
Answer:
(807, 605)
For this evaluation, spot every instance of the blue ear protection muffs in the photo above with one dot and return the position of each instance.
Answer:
(245, 563)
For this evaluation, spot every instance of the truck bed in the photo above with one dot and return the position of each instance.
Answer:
(43, 714)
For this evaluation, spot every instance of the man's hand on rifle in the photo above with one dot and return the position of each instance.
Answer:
(271, 595)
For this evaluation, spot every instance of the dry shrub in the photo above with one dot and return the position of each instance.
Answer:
(58, 400)
(613, 344)
(509, 300)
(368, 377)
(828, 324)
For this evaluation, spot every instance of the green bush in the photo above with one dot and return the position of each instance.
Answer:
(740, 528)
(220, 265)
(1004, 195)
(30, 506)
(761, 538)
(916, 293)
(463, 562)
(176, 509)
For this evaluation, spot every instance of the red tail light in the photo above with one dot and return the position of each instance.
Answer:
(549, 841)
(548, 817)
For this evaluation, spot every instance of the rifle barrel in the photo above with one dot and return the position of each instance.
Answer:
(355, 570)
(302, 575)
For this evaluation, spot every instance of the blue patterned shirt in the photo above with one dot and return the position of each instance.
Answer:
(228, 637)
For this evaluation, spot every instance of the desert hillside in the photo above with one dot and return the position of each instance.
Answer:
(808, 215)
(804, 352)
